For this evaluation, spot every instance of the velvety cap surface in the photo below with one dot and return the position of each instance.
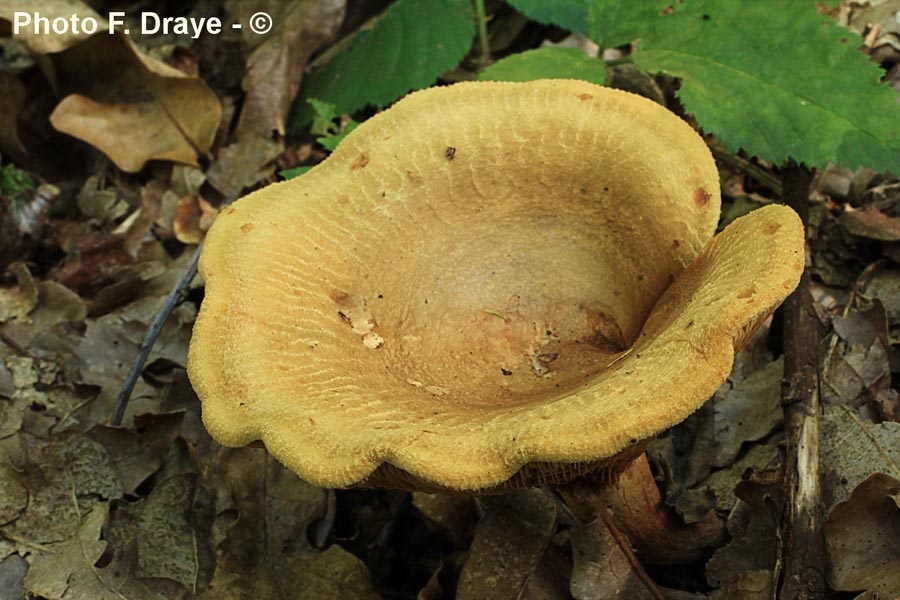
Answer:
(483, 278)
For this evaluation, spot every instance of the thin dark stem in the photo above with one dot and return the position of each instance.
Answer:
(803, 553)
(175, 297)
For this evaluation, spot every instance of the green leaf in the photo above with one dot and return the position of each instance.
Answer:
(329, 132)
(407, 48)
(295, 171)
(547, 63)
(568, 14)
(325, 114)
(777, 80)
(16, 185)
(613, 23)
(330, 142)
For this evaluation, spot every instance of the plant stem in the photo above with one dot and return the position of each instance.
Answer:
(803, 553)
(481, 21)
(172, 300)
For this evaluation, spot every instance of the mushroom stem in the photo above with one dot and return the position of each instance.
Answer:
(659, 536)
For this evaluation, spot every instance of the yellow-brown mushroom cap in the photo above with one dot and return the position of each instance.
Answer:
(484, 277)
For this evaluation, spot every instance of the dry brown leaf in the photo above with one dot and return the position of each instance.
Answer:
(274, 67)
(858, 370)
(109, 345)
(747, 412)
(162, 530)
(96, 260)
(509, 542)
(13, 495)
(68, 569)
(748, 585)
(753, 532)
(456, 514)
(853, 449)
(862, 536)
(872, 223)
(193, 216)
(130, 106)
(717, 490)
(66, 476)
(274, 70)
(602, 571)
(335, 574)
(12, 99)
(879, 22)
(22, 298)
(550, 580)
(40, 42)
(138, 454)
(265, 552)
(249, 160)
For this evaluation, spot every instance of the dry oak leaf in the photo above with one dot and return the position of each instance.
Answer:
(872, 223)
(274, 71)
(861, 538)
(509, 542)
(853, 449)
(68, 569)
(193, 216)
(132, 107)
(38, 41)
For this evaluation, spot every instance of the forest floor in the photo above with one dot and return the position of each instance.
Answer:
(99, 222)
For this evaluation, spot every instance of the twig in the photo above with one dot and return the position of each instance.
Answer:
(174, 298)
(802, 556)
(734, 161)
(586, 496)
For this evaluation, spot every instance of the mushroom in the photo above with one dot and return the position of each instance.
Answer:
(488, 285)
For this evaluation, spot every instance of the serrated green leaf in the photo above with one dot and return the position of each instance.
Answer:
(778, 80)
(568, 14)
(323, 125)
(407, 49)
(547, 63)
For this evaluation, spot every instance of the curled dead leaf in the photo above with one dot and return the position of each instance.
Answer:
(509, 542)
(861, 539)
(193, 216)
(138, 109)
(274, 70)
(38, 41)
(872, 223)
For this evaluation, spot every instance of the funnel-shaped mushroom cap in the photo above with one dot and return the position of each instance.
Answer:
(488, 284)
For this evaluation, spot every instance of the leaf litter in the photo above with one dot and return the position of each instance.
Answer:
(156, 509)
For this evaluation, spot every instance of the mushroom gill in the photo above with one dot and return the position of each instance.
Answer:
(488, 284)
